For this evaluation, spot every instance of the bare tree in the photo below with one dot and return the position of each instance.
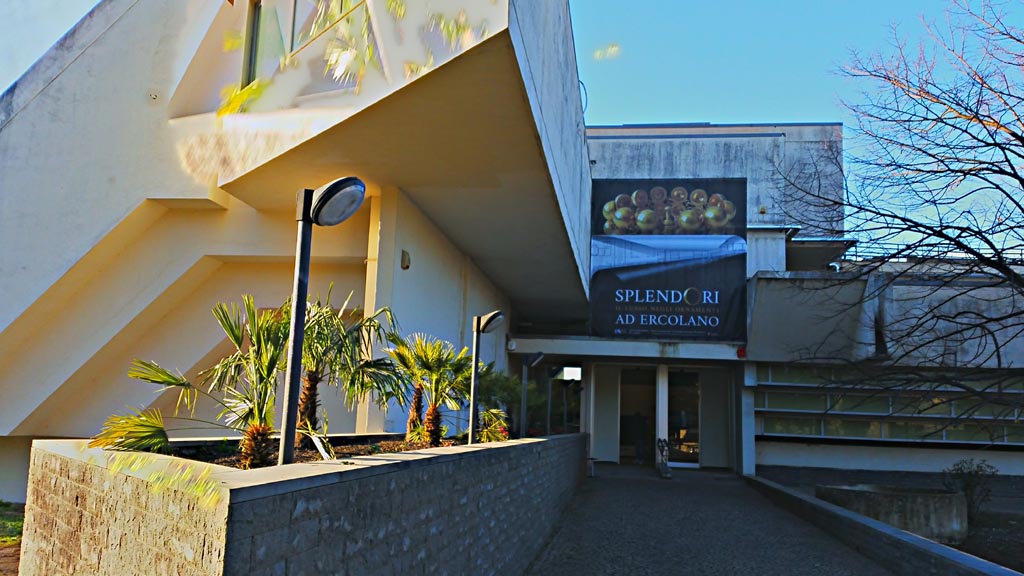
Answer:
(933, 191)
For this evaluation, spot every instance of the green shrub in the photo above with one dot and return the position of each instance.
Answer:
(11, 523)
(972, 479)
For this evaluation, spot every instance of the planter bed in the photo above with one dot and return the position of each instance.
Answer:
(225, 452)
(485, 508)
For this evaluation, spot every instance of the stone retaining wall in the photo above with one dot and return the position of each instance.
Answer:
(82, 518)
(482, 509)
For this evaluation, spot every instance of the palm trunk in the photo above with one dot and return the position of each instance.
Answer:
(433, 425)
(309, 404)
(415, 411)
(257, 448)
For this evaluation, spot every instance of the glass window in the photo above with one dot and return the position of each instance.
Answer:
(853, 428)
(971, 432)
(796, 401)
(759, 399)
(798, 426)
(860, 403)
(764, 372)
(974, 408)
(799, 374)
(314, 16)
(1015, 434)
(909, 430)
(266, 39)
(916, 405)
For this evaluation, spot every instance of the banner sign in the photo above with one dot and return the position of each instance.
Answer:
(669, 259)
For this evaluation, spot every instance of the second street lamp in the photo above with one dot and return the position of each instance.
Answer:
(481, 325)
(328, 205)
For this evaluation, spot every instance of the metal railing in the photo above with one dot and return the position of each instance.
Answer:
(913, 252)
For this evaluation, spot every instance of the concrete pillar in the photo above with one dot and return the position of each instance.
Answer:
(661, 406)
(380, 278)
(748, 453)
(587, 386)
(589, 390)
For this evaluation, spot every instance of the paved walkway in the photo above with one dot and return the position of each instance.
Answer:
(629, 521)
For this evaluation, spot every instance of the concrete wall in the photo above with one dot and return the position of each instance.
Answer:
(835, 318)
(14, 456)
(139, 246)
(708, 156)
(113, 135)
(486, 509)
(605, 424)
(542, 36)
(716, 433)
(880, 457)
(921, 322)
(438, 294)
(782, 163)
(931, 325)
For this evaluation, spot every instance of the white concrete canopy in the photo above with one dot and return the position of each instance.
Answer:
(463, 143)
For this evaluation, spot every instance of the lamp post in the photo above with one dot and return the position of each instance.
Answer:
(328, 205)
(481, 325)
(529, 362)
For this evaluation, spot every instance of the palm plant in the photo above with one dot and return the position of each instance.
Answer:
(340, 352)
(493, 425)
(441, 376)
(406, 356)
(247, 378)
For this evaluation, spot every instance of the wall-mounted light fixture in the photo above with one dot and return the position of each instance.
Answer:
(406, 260)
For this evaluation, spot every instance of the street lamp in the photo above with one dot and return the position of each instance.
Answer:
(481, 325)
(529, 362)
(328, 205)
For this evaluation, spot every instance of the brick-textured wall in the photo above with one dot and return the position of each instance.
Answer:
(485, 509)
(82, 519)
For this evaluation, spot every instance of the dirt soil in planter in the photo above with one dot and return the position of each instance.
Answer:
(226, 453)
(997, 537)
(9, 556)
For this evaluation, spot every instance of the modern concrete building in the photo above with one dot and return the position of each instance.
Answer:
(148, 169)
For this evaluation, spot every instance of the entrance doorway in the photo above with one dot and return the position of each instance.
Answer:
(683, 418)
(637, 422)
(629, 407)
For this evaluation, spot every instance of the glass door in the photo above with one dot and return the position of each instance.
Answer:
(683, 418)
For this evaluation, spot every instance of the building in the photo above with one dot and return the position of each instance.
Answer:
(148, 166)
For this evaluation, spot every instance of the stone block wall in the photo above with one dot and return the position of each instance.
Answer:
(470, 510)
(482, 509)
(82, 519)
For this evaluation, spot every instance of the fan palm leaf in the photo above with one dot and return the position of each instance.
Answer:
(141, 430)
(338, 349)
(442, 373)
(247, 378)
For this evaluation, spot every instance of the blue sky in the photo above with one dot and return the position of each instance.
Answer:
(731, 61)
(678, 60)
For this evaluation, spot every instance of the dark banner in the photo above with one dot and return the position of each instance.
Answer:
(669, 259)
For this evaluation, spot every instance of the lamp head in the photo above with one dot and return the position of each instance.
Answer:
(490, 321)
(335, 202)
